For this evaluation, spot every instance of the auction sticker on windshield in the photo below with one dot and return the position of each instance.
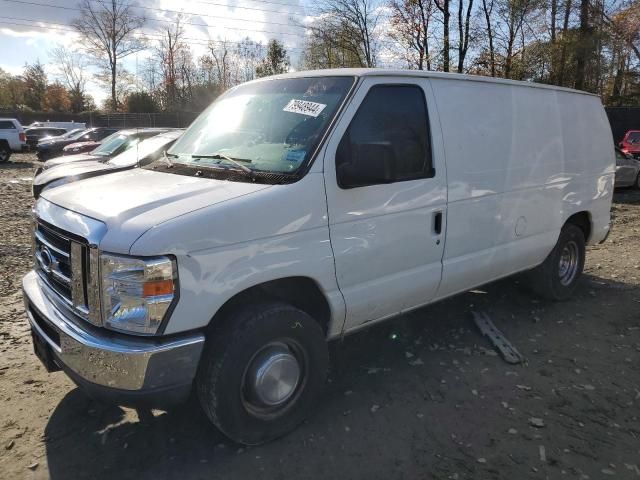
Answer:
(304, 107)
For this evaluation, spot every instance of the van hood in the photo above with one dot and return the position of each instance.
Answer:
(133, 201)
(80, 157)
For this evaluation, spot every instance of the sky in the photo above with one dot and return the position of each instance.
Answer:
(30, 29)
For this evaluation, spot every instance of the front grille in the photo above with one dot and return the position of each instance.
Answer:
(53, 260)
(63, 262)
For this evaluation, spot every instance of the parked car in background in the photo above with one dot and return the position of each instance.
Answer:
(301, 208)
(139, 155)
(53, 147)
(81, 147)
(65, 125)
(631, 143)
(68, 134)
(111, 146)
(627, 170)
(35, 134)
(84, 147)
(12, 138)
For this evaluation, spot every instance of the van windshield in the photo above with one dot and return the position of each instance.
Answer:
(268, 126)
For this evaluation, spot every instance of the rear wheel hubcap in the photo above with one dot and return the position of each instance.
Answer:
(569, 260)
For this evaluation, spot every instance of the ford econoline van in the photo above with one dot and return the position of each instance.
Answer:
(297, 209)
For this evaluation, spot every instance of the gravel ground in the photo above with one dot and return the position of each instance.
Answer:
(422, 396)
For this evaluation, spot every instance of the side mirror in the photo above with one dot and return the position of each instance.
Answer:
(363, 164)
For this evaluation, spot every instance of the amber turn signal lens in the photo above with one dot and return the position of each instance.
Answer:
(158, 287)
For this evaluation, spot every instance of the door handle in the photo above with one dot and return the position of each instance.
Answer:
(437, 223)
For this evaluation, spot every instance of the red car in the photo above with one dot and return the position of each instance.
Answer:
(631, 143)
(86, 146)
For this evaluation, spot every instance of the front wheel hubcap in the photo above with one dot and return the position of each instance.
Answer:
(273, 375)
(569, 260)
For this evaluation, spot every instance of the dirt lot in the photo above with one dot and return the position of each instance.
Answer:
(422, 396)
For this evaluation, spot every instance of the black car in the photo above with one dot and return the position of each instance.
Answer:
(140, 154)
(52, 148)
(35, 134)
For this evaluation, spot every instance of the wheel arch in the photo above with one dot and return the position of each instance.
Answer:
(300, 291)
(583, 221)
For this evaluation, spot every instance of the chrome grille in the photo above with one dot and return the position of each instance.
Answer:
(63, 262)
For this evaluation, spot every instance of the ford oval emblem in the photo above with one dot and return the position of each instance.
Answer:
(46, 257)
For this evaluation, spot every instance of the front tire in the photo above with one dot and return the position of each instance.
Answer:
(262, 371)
(557, 277)
(5, 152)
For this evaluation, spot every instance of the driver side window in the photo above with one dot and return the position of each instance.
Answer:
(388, 139)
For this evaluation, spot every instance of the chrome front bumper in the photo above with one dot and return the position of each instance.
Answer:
(95, 357)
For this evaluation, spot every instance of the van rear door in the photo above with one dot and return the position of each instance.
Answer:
(386, 195)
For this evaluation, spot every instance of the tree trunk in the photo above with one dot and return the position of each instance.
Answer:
(445, 42)
(460, 36)
(492, 54)
(583, 45)
(616, 91)
(554, 14)
(563, 52)
(446, 15)
(463, 45)
(508, 61)
(114, 94)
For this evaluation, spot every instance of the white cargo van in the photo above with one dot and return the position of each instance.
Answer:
(303, 207)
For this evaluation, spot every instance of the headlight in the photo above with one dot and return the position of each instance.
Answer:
(136, 292)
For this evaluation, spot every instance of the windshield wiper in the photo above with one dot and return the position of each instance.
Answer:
(165, 157)
(235, 161)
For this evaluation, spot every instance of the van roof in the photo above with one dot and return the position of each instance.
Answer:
(377, 72)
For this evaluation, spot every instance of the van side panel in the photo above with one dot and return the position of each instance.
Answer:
(589, 149)
(517, 167)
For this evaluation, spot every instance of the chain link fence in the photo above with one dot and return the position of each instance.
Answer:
(98, 119)
(620, 118)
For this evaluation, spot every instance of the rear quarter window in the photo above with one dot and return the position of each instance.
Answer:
(7, 125)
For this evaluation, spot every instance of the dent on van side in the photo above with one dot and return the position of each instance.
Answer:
(302, 207)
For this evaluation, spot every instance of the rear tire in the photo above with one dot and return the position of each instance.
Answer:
(5, 152)
(636, 184)
(557, 277)
(262, 371)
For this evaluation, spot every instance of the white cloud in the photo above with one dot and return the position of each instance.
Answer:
(44, 28)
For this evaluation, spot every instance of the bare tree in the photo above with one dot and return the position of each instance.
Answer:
(71, 66)
(463, 33)
(488, 11)
(443, 6)
(563, 50)
(356, 22)
(170, 53)
(514, 14)
(409, 23)
(108, 30)
(329, 45)
(584, 46)
(249, 55)
(222, 63)
(275, 61)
